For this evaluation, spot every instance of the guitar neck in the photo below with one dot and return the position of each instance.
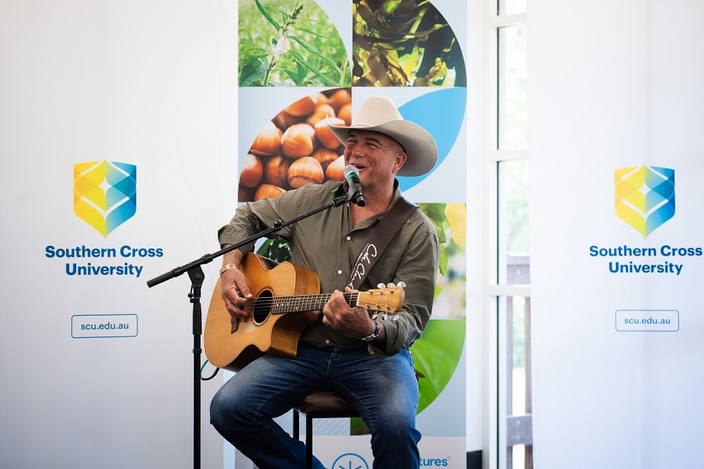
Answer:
(301, 303)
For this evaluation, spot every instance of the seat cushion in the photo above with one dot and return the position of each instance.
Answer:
(326, 404)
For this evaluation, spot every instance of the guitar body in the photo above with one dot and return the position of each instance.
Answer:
(233, 344)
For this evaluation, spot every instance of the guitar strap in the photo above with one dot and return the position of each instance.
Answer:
(379, 240)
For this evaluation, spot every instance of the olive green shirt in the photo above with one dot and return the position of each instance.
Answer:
(327, 244)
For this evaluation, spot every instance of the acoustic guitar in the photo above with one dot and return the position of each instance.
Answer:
(285, 300)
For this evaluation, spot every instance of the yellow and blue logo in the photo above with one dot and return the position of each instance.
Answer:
(645, 196)
(104, 193)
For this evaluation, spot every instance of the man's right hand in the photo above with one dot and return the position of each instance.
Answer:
(234, 288)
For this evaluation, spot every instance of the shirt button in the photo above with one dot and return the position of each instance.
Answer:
(349, 238)
(339, 272)
(327, 341)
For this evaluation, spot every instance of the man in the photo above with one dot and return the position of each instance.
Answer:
(346, 349)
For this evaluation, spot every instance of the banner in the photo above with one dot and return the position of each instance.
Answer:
(111, 155)
(302, 62)
(618, 251)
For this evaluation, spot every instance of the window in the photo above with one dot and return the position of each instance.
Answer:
(508, 309)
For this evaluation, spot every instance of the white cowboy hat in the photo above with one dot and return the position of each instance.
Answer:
(379, 114)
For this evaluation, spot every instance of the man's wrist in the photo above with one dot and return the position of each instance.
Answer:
(227, 267)
(374, 335)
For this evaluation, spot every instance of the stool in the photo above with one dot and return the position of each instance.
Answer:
(319, 405)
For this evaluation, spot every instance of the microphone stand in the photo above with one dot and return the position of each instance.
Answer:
(195, 272)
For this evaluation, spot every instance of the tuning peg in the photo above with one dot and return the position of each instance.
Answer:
(390, 285)
(380, 285)
(401, 284)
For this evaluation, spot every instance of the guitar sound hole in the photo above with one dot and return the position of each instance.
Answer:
(262, 306)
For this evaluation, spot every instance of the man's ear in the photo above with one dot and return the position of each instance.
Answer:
(400, 159)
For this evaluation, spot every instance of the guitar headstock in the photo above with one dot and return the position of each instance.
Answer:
(388, 299)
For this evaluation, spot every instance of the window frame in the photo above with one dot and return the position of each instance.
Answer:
(496, 293)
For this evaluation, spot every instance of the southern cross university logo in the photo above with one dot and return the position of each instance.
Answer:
(645, 196)
(104, 193)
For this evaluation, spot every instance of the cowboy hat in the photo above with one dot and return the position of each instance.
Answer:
(379, 114)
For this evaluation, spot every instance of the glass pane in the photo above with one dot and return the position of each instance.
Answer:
(517, 341)
(511, 7)
(513, 92)
(518, 457)
(517, 376)
(514, 236)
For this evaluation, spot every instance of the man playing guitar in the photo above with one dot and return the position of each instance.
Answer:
(347, 348)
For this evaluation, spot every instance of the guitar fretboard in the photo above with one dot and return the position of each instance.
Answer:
(300, 303)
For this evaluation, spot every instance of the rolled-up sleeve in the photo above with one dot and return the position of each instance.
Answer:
(418, 270)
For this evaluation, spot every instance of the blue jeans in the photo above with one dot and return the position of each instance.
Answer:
(383, 390)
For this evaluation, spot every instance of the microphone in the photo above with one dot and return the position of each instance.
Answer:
(354, 190)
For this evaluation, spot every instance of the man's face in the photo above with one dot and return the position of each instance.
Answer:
(376, 156)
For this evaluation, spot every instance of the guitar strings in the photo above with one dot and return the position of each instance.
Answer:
(301, 300)
(302, 303)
